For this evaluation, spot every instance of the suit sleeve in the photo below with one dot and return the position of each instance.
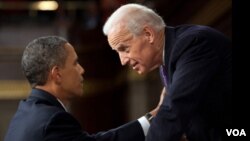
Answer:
(195, 65)
(64, 127)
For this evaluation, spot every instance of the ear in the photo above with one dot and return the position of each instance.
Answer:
(55, 74)
(149, 34)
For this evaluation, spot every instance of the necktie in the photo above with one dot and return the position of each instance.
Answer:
(163, 74)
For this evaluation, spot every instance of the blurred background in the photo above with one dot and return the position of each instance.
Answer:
(113, 94)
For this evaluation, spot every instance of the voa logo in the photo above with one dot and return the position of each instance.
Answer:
(236, 132)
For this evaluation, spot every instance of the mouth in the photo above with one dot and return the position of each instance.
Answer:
(135, 66)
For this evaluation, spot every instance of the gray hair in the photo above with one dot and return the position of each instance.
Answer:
(134, 16)
(40, 55)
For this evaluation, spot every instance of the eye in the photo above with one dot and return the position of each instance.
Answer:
(76, 62)
(123, 49)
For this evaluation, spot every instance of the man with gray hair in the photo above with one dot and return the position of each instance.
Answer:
(51, 67)
(195, 64)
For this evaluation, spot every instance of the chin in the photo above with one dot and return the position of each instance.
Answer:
(79, 94)
(141, 72)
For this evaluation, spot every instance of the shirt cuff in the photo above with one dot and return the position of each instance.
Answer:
(144, 124)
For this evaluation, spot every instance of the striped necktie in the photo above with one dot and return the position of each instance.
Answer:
(163, 74)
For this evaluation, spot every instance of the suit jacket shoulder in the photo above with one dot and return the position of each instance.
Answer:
(41, 117)
(198, 60)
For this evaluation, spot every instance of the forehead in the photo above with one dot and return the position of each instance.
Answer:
(119, 35)
(70, 50)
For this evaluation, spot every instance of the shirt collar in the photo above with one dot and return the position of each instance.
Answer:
(163, 52)
(62, 104)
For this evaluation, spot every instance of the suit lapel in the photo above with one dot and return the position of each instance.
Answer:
(169, 44)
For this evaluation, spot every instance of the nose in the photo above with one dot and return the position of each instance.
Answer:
(81, 69)
(124, 60)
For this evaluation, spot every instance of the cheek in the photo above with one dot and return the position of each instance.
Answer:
(142, 53)
(146, 57)
(69, 77)
(137, 53)
(142, 50)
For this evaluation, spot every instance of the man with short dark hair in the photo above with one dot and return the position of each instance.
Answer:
(51, 67)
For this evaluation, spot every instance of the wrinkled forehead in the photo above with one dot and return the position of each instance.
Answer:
(119, 35)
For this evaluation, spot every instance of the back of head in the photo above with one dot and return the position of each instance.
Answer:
(40, 55)
(134, 17)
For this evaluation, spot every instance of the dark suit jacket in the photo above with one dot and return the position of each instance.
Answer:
(42, 118)
(198, 61)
